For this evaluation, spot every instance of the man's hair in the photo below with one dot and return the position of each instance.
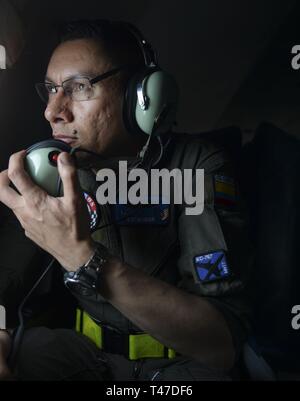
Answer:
(117, 41)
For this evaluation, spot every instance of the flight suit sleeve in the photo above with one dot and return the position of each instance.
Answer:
(216, 257)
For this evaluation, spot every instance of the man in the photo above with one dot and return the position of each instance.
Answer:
(149, 278)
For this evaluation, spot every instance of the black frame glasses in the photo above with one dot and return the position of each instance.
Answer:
(44, 92)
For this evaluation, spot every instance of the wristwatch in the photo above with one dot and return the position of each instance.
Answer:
(85, 280)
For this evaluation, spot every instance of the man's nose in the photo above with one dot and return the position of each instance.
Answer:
(59, 108)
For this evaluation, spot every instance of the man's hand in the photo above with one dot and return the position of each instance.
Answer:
(58, 225)
(5, 344)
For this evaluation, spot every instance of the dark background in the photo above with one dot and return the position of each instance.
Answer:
(232, 60)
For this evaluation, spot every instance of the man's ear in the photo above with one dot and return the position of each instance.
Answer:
(11, 35)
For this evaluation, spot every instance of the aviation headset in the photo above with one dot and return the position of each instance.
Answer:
(151, 95)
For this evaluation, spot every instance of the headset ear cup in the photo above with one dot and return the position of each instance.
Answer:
(130, 102)
(162, 93)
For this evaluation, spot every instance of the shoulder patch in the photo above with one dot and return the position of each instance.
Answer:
(212, 266)
(225, 191)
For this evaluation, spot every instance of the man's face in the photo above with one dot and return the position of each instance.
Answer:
(94, 124)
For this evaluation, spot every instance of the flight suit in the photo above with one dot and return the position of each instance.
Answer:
(208, 255)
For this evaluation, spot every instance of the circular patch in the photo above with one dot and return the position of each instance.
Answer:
(93, 210)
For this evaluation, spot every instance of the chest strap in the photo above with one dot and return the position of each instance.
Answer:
(132, 346)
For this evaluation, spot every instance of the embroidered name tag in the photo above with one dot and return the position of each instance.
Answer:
(212, 266)
(141, 214)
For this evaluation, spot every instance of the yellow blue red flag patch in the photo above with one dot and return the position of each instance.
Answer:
(225, 191)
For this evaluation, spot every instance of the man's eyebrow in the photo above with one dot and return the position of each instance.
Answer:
(87, 74)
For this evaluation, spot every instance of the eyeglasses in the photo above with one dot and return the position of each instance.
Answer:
(78, 88)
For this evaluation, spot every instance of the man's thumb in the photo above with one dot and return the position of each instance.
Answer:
(68, 173)
(65, 159)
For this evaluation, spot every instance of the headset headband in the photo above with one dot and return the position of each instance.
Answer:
(149, 54)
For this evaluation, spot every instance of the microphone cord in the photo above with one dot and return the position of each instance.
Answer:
(17, 338)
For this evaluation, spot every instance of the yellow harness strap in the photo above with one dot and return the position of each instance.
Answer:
(140, 345)
(86, 326)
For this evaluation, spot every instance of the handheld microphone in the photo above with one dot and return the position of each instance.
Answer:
(41, 164)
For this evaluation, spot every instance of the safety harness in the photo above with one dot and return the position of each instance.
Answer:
(132, 346)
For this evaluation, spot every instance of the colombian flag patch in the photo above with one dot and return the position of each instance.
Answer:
(225, 191)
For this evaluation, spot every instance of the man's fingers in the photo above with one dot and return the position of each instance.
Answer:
(68, 174)
(18, 175)
(8, 196)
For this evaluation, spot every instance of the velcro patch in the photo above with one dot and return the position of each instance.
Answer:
(141, 214)
(212, 266)
(225, 191)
